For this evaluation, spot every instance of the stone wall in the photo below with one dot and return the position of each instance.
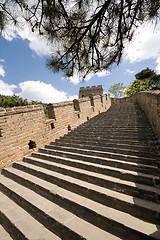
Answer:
(23, 128)
(149, 103)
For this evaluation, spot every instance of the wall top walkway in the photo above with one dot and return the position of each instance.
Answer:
(149, 101)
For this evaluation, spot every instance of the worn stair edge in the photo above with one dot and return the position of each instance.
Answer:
(124, 150)
(118, 145)
(137, 207)
(103, 143)
(62, 164)
(93, 152)
(107, 127)
(112, 155)
(100, 161)
(110, 136)
(149, 193)
(116, 222)
(102, 148)
(4, 235)
(63, 223)
(98, 146)
(20, 224)
(111, 133)
(104, 160)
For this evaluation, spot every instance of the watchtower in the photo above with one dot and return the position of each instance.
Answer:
(90, 91)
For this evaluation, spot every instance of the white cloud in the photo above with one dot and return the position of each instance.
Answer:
(6, 89)
(2, 71)
(145, 44)
(40, 91)
(103, 73)
(72, 97)
(37, 43)
(76, 78)
(36, 90)
(2, 60)
(129, 71)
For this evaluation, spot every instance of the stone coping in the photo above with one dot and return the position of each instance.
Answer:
(152, 92)
(61, 104)
(20, 109)
(83, 99)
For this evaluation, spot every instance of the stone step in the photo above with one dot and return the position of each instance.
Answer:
(102, 142)
(92, 152)
(69, 165)
(82, 155)
(4, 234)
(111, 118)
(114, 149)
(73, 202)
(68, 225)
(113, 134)
(104, 132)
(146, 192)
(110, 136)
(101, 130)
(119, 123)
(106, 129)
(114, 116)
(97, 147)
(18, 223)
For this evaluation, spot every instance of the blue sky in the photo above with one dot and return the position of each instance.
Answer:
(23, 68)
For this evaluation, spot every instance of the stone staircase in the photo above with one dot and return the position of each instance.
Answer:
(101, 181)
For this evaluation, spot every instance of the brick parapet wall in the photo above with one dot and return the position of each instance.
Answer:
(149, 102)
(20, 125)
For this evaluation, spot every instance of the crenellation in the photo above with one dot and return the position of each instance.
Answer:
(90, 91)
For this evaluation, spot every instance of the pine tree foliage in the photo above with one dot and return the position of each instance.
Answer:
(148, 74)
(15, 101)
(12, 101)
(89, 35)
(146, 80)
